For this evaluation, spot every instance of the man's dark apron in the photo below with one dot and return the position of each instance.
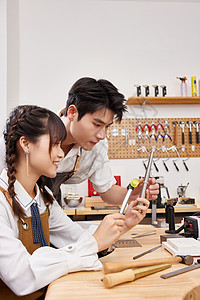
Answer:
(55, 183)
(25, 234)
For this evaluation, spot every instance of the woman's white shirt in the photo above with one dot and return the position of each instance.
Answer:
(25, 273)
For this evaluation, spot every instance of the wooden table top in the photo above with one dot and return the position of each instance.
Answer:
(88, 285)
(177, 209)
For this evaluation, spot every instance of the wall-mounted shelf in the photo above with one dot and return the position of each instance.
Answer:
(162, 100)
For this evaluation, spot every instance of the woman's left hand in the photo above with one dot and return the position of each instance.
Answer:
(135, 213)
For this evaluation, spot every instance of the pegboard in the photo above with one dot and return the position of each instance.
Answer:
(124, 142)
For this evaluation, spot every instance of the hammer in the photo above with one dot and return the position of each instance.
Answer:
(112, 267)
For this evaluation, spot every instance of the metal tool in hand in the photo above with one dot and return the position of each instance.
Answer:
(134, 183)
(146, 177)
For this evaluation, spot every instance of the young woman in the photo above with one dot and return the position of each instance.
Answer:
(30, 218)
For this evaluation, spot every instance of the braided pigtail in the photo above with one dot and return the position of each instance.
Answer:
(11, 139)
(48, 198)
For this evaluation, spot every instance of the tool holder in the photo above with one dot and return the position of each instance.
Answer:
(126, 146)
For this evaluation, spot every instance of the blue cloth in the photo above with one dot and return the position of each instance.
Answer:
(38, 234)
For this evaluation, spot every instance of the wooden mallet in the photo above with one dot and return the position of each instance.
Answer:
(112, 267)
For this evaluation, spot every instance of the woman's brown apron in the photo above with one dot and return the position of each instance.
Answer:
(25, 234)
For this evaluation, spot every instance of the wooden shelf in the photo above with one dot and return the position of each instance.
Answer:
(162, 100)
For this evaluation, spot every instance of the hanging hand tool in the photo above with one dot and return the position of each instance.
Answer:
(183, 160)
(153, 131)
(146, 252)
(186, 167)
(138, 90)
(166, 126)
(146, 90)
(134, 183)
(166, 135)
(196, 125)
(164, 90)
(110, 280)
(156, 89)
(154, 160)
(175, 124)
(114, 132)
(159, 127)
(173, 148)
(163, 160)
(139, 132)
(143, 148)
(189, 125)
(112, 267)
(182, 124)
(146, 177)
(181, 271)
(146, 128)
(125, 133)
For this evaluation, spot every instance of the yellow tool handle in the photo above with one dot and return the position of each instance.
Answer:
(111, 280)
(112, 267)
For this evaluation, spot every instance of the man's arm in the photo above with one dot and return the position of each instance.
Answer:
(115, 195)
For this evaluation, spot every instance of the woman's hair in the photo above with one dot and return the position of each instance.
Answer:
(32, 122)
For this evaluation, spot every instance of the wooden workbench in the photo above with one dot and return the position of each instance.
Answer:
(88, 285)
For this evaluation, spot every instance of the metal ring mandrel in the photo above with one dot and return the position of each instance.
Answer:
(134, 183)
(146, 177)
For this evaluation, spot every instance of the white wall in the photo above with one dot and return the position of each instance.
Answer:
(3, 63)
(126, 42)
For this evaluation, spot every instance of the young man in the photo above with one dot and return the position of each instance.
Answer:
(91, 107)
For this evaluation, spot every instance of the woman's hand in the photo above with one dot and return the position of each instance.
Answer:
(135, 213)
(113, 226)
(109, 230)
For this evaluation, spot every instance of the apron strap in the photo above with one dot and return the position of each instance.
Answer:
(7, 195)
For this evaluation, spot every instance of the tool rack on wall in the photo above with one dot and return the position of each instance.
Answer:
(124, 140)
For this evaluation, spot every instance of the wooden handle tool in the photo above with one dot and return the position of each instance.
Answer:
(112, 267)
(111, 280)
(175, 132)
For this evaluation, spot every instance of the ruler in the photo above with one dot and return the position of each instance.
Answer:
(126, 244)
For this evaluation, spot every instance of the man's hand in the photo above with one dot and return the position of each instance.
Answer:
(152, 190)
